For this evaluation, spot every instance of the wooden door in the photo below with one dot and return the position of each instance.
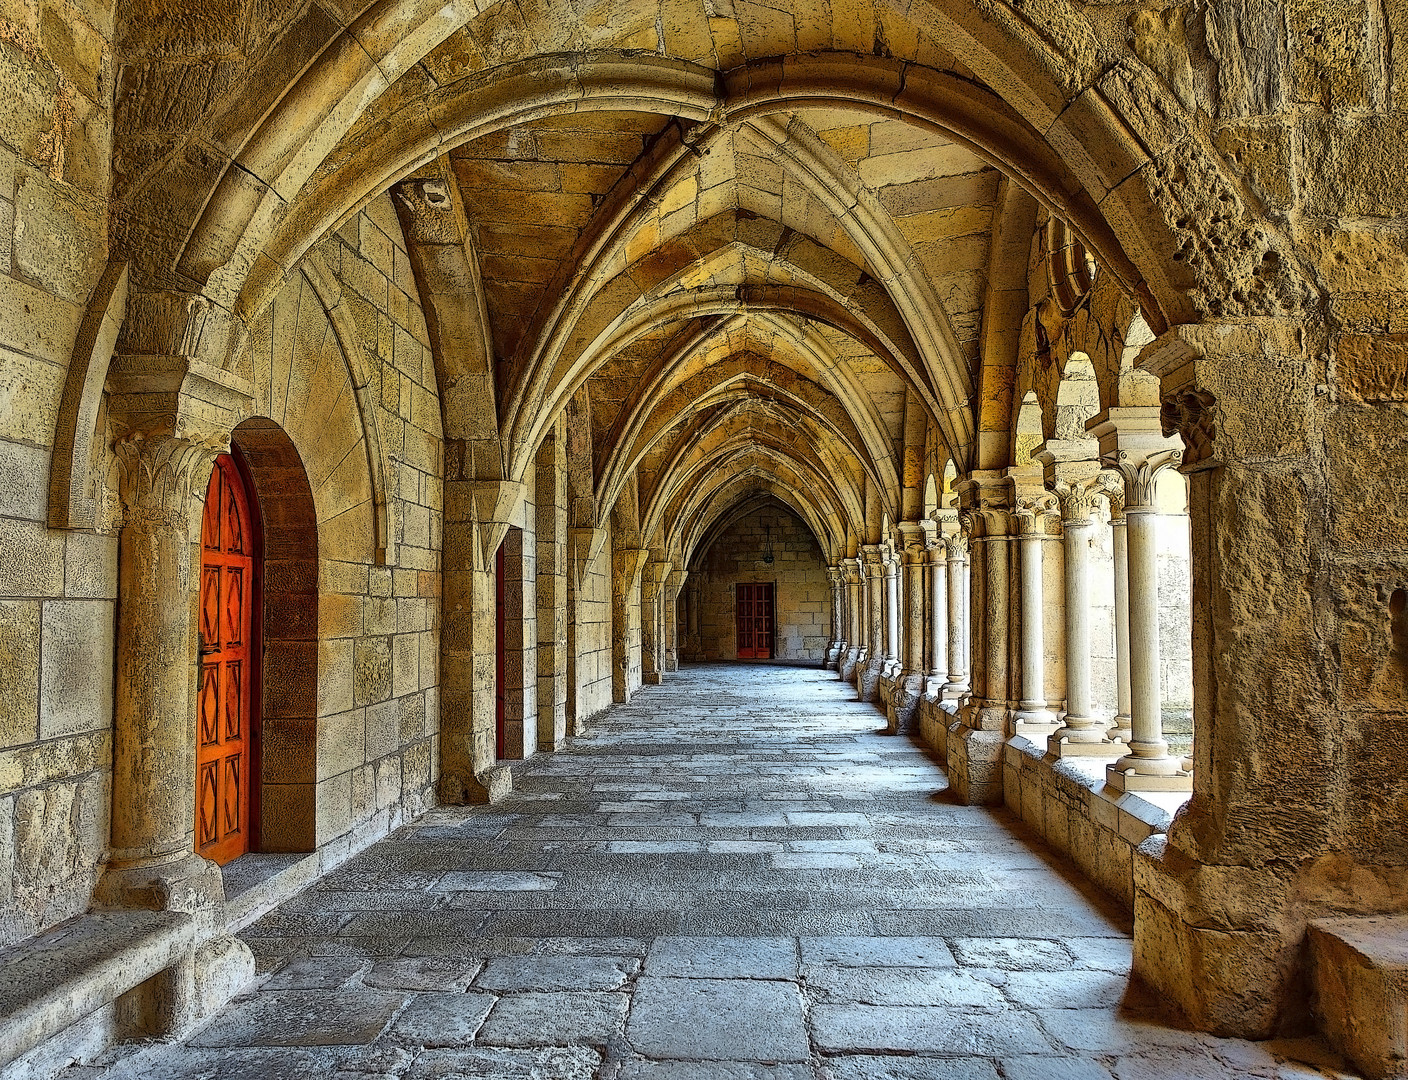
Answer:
(224, 739)
(753, 603)
(499, 739)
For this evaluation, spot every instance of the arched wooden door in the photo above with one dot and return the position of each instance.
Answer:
(224, 720)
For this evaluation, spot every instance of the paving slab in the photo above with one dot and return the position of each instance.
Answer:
(717, 1019)
(555, 1019)
(731, 877)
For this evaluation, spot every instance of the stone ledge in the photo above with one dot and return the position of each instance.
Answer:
(1069, 804)
(52, 982)
(1359, 985)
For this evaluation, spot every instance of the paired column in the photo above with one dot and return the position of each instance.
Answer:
(868, 673)
(1120, 730)
(938, 613)
(956, 567)
(851, 570)
(908, 691)
(673, 584)
(837, 643)
(892, 612)
(652, 609)
(1082, 734)
(1133, 444)
(1033, 716)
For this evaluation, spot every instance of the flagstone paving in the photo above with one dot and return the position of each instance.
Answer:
(733, 877)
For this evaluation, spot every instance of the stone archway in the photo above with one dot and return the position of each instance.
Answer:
(288, 707)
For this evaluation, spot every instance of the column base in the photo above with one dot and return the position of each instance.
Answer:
(489, 785)
(650, 678)
(185, 882)
(1035, 724)
(975, 764)
(846, 666)
(1059, 745)
(1125, 779)
(868, 681)
(903, 711)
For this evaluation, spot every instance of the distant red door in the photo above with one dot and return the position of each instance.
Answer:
(223, 736)
(754, 612)
(499, 653)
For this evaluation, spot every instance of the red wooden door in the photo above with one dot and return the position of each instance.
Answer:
(223, 715)
(499, 739)
(753, 604)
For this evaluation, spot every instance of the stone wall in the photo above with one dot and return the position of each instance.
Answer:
(56, 589)
(802, 589)
(593, 636)
(378, 661)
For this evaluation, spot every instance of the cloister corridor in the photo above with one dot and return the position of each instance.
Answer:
(735, 876)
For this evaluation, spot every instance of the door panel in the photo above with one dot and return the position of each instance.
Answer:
(753, 605)
(223, 714)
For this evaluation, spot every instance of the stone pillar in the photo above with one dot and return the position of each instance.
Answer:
(892, 613)
(652, 608)
(1082, 734)
(937, 617)
(851, 571)
(837, 643)
(627, 566)
(903, 712)
(1120, 730)
(673, 585)
(550, 535)
(956, 564)
(1033, 717)
(152, 861)
(868, 676)
(1133, 444)
(975, 742)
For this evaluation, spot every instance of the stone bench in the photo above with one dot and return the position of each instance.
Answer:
(51, 984)
(1359, 979)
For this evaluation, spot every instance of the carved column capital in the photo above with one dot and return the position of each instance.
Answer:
(1032, 512)
(1079, 497)
(1190, 414)
(1140, 474)
(158, 474)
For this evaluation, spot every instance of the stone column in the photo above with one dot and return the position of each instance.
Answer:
(851, 571)
(550, 535)
(673, 585)
(1132, 443)
(892, 612)
(836, 645)
(937, 617)
(903, 711)
(956, 563)
(652, 614)
(868, 676)
(152, 861)
(1120, 730)
(627, 566)
(974, 745)
(1082, 734)
(1033, 717)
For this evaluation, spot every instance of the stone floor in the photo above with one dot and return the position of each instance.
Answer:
(735, 877)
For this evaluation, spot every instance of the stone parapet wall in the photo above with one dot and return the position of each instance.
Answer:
(1069, 806)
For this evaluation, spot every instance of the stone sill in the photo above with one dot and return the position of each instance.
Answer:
(1148, 811)
(257, 883)
(1069, 804)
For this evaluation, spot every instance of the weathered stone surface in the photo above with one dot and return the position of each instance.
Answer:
(717, 1019)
